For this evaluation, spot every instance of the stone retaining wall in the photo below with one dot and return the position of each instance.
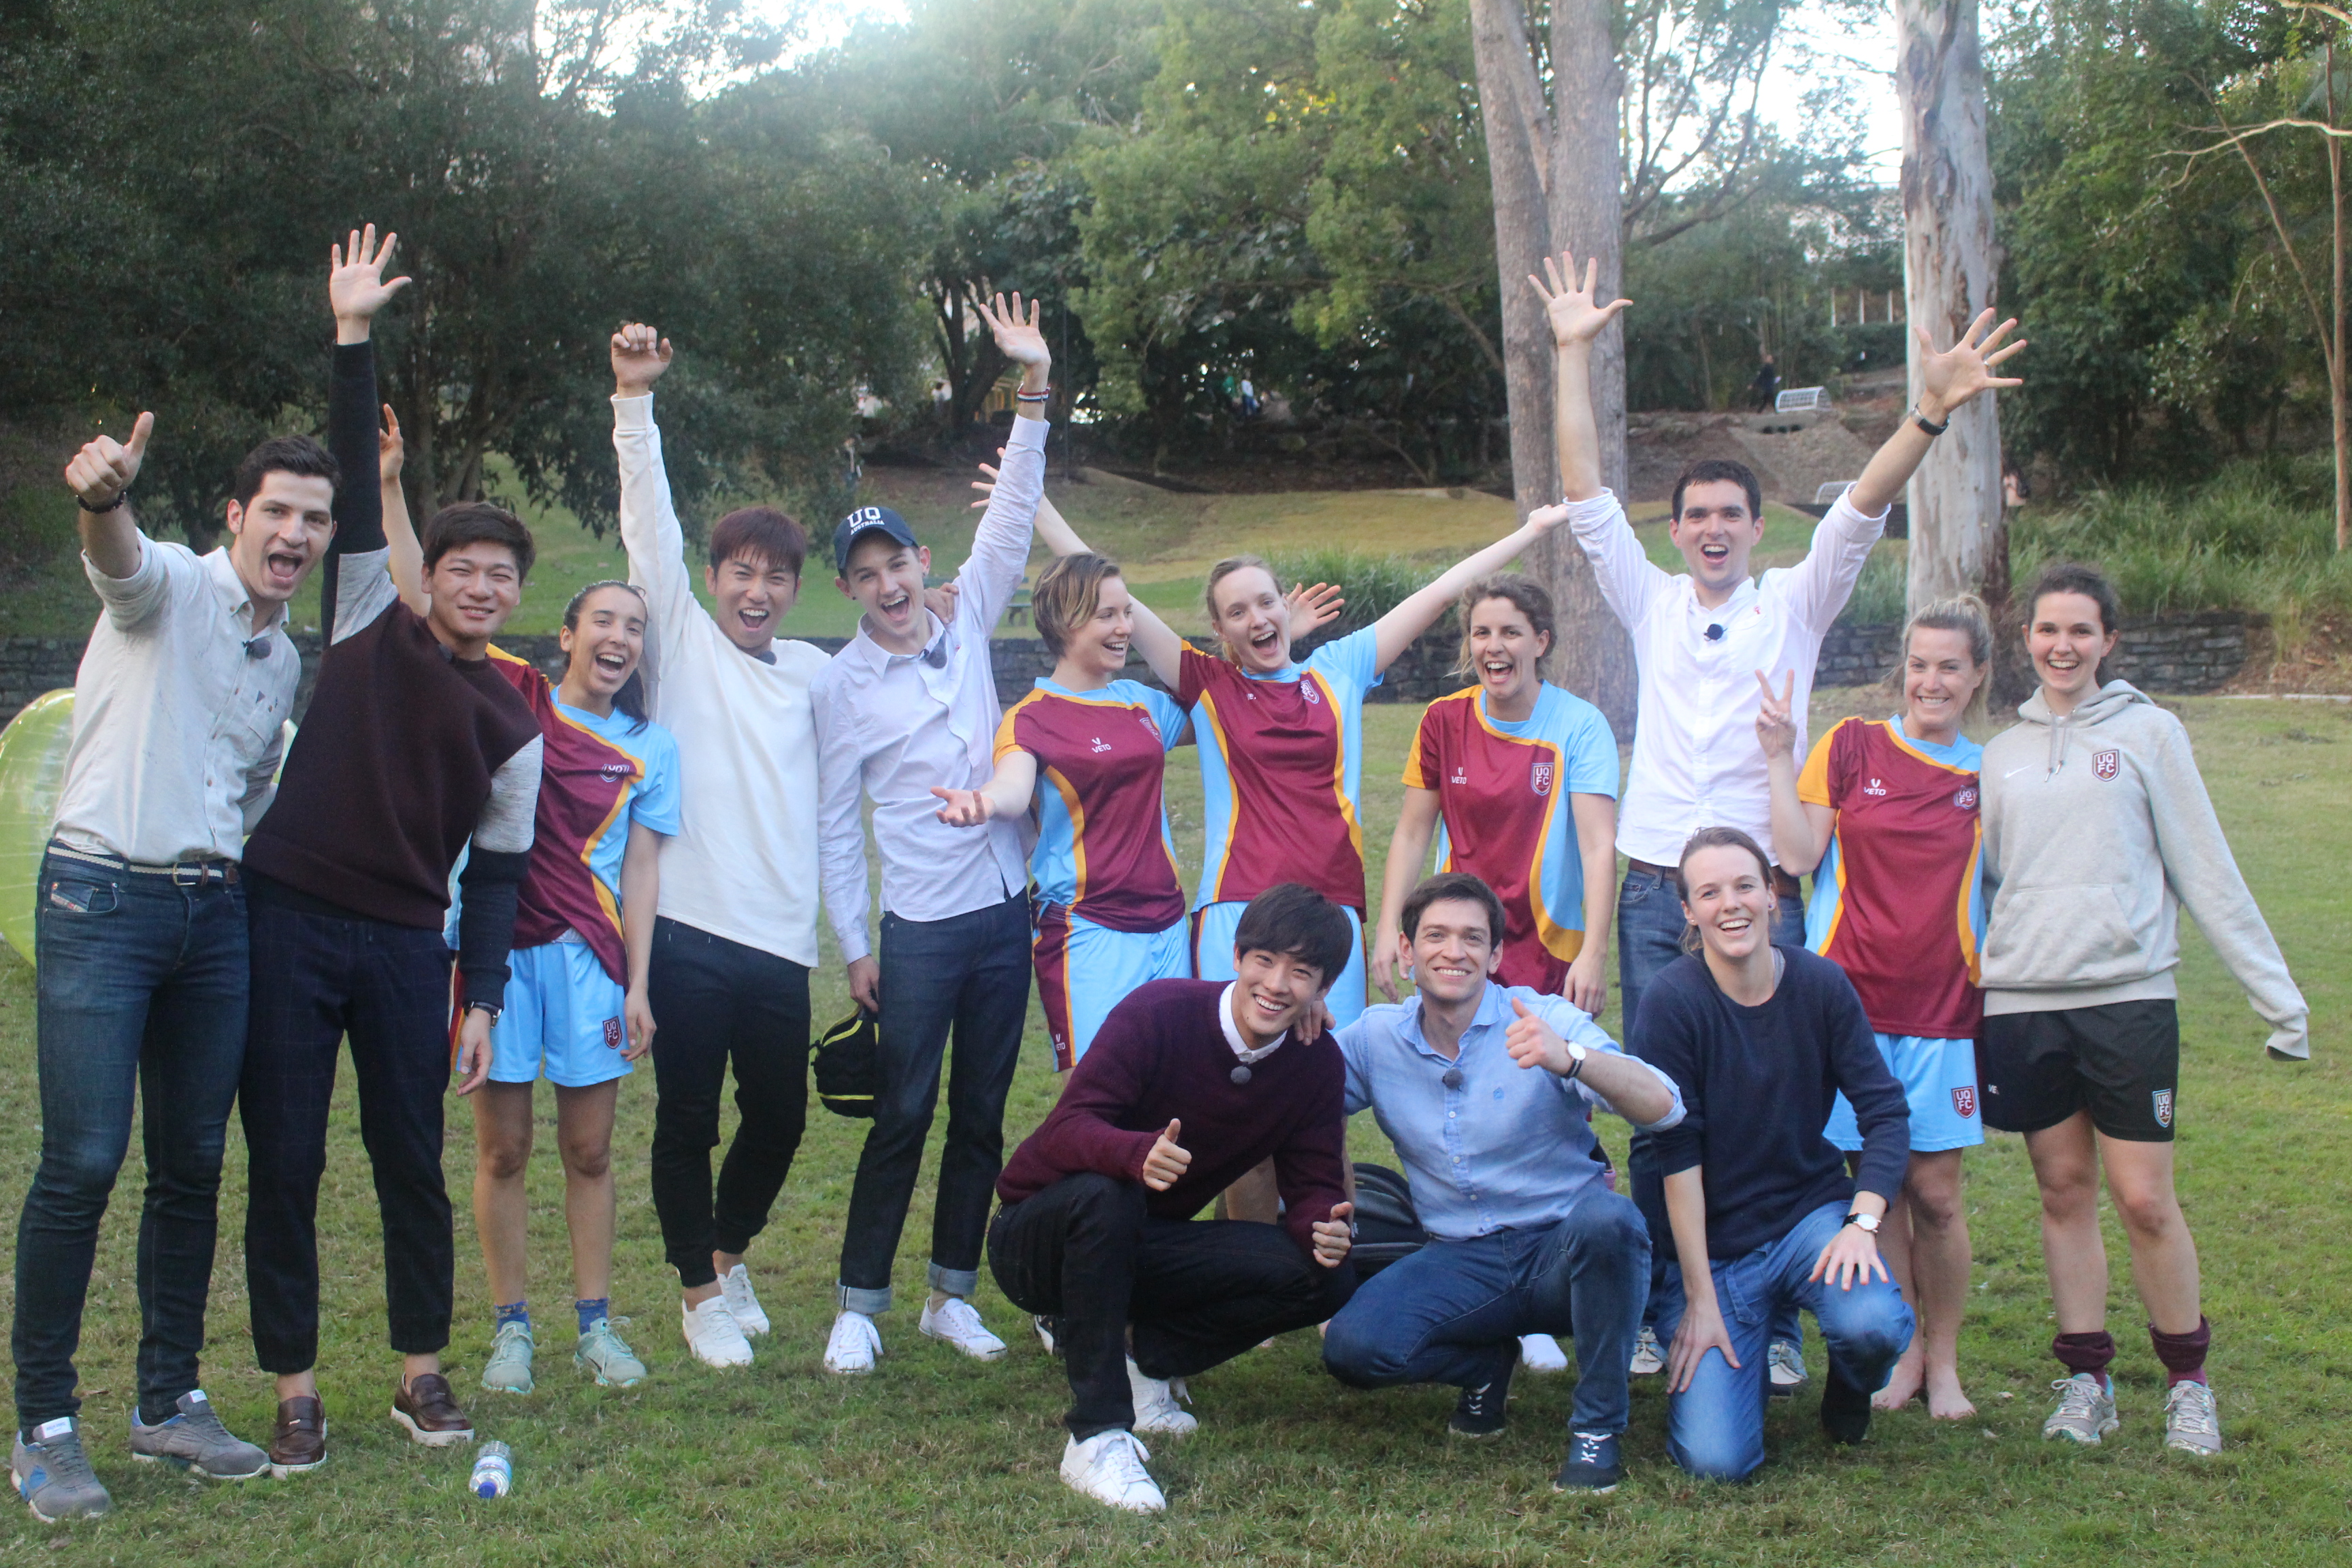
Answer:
(2184, 653)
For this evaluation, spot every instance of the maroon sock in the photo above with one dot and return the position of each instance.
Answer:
(2085, 1352)
(2183, 1355)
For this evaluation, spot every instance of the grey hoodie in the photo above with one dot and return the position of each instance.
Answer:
(2097, 829)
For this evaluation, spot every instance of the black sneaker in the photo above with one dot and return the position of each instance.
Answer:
(1592, 1464)
(1845, 1408)
(1480, 1413)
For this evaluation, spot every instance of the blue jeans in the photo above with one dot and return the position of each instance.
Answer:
(142, 990)
(1448, 1313)
(1716, 1427)
(968, 973)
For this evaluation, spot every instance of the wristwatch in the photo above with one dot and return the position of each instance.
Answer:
(492, 1008)
(1865, 1222)
(1576, 1055)
(1927, 425)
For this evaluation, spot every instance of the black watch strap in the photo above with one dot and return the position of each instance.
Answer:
(1930, 425)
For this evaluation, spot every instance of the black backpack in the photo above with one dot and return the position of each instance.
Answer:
(848, 1062)
(1387, 1228)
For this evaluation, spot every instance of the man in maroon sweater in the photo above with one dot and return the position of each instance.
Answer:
(1098, 1231)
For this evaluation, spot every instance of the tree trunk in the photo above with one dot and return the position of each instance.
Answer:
(1528, 161)
(1951, 270)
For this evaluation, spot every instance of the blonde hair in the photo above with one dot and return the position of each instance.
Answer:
(1066, 595)
(1522, 593)
(1963, 613)
(1218, 573)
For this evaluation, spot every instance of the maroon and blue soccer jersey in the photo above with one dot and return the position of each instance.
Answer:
(1503, 790)
(1899, 899)
(1281, 757)
(1103, 849)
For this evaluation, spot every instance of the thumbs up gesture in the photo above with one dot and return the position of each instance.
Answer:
(1335, 1236)
(1168, 1161)
(1533, 1042)
(104, 468)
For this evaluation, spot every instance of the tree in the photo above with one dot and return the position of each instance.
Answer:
(1960, 541)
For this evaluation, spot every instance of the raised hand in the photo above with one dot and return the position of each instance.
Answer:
(391, 451)
(1313, 607)
(640, 355)
(1334, 1237)
(1949, 379)
(104, 468)
(964, 807)
(1575, 317)
(940, 600)
(1168, 1160)
(1776, 725)
(1018, 337)
(1532, 1043)
(1544, 518)
(355, 281)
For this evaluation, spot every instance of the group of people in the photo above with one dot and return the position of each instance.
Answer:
(629, 860)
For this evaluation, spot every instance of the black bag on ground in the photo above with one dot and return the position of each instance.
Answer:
(848, 1062)
(1387, 1228)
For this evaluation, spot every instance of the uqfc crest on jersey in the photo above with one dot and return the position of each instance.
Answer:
(1539, 776)
(2106, 764)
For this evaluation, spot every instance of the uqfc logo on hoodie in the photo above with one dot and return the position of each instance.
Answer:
(2106, 764)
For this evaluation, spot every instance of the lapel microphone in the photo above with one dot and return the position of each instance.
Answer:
(1714, 633)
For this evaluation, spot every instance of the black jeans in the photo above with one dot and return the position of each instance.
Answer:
(317, 979)
(1197, 1292)
(969, 974)
(141, 987)
(715, 1002)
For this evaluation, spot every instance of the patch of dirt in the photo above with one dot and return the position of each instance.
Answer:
(2323, 661)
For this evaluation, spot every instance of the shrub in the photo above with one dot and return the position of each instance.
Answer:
(1373, 585)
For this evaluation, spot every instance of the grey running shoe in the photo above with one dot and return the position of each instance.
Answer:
(54, 1474)
(1649, 1357)
(1788, 1361)
(2191, 1424)
(2086, 1410)
(509, 1369)
(604, 1355)
(194, 1439)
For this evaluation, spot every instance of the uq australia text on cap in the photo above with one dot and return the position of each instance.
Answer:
(867, 519)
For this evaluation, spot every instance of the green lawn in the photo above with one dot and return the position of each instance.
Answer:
(938, 1459)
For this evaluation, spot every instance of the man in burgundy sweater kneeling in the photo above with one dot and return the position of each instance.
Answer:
(1187, 1084)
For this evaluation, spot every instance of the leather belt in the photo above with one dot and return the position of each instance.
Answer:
(184, 873)
(1783, 885)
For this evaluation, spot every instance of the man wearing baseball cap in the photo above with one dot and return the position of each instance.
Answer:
(910, 703)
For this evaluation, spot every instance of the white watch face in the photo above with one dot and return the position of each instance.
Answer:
(1867, 1222)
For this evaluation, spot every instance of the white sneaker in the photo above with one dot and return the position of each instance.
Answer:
(1108, 1468)
(855, 1346)
(1541, 1352)
(1045, 1327)
(736, 1286)
(1649, 1356)
(955, 1322)
(713, 1334)
(1160, 1404)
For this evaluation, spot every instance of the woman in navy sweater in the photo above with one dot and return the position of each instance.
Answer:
(1761, 1039)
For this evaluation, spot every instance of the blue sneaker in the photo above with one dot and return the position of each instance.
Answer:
(194, 1439)
(54, 1475)
(1592, 1464)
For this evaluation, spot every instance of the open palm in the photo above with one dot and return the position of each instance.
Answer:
(1018, 336)
(1574, 316)
(356, 286)
(1958, 373)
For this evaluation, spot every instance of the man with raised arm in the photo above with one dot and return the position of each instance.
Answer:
(414, 745)
(911, 703)
(1700, 639)
(179, 715)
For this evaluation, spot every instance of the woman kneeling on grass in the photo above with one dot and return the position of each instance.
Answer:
(1760, 1209)
(2097, 829)
(1885, 819)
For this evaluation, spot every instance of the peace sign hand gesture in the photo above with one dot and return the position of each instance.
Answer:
(355, 282)
(1575, 317)
(1954, 377)
(1776, 725)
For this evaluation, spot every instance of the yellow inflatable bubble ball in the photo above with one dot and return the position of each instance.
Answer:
(32, 770)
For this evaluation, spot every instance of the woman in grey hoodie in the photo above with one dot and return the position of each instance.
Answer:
(2097, 830)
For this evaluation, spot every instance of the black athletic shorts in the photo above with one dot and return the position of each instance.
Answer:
(2120, 1061)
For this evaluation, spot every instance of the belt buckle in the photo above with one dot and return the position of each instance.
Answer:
(184, 870)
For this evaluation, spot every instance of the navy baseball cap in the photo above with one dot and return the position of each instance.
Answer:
(867, 519)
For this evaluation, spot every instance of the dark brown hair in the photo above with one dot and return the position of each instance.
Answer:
(759, 534)
(1712, 471)
(477, 523)
(1067, 596)
(2075, 577)
(1452, 886)
(1526, 595)
(1293, 921)
(297, 455)
(631, 697)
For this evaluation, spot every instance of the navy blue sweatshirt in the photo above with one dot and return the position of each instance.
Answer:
(1758, 1083)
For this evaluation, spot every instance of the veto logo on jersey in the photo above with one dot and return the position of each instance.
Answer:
(2106, 764)
(1539, 777)
(1965, 798)
(2162, 1097)
(1100, 745)
(615, 773)
(1875, 786)
(1964, 1101)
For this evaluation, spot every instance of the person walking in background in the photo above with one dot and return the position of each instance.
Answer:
(1698, 636)
(909, 705)
(1764, 392)
(1885, 818)
(2097, 833)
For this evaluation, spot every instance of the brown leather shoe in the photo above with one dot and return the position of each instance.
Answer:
(425, 1405)
(299, 1441)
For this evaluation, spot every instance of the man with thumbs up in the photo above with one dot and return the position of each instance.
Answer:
(1488, 1093)
(179, 715)
(1189, 1083)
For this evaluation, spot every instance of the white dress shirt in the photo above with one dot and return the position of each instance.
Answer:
(896, 724)
(1240, 1047)
(177, 730)
(743, 863)
(1696, 760)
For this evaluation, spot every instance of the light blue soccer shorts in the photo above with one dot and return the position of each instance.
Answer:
(1939, 1080)
(1213, 956)
(565, 1013)
(1084, 970)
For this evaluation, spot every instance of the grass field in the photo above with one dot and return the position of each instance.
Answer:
(938, 1459)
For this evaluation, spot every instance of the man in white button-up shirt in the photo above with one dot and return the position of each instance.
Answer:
(1705, 642)
(141, 944)
(909, 704)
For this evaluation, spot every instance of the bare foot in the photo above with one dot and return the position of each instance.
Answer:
(1945, 1400)
(1902, 1386)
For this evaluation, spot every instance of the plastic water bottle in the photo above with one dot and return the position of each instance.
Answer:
(493, 1474)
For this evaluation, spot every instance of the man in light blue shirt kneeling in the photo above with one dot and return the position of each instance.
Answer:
(1487, 1092)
